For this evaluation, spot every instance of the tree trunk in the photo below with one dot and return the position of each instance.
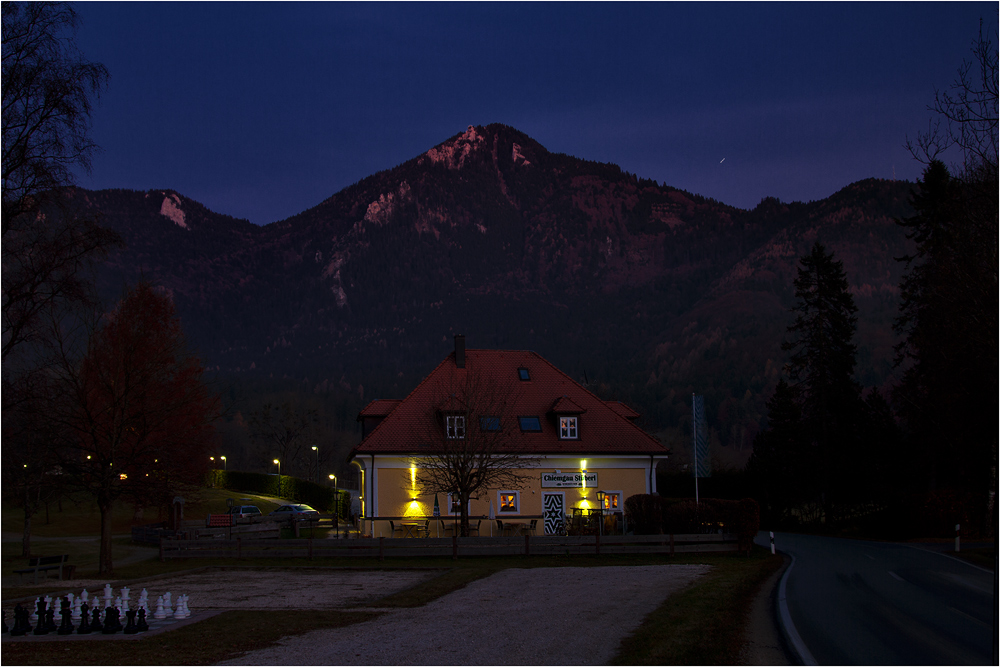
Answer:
(26, 536)
(105, 567)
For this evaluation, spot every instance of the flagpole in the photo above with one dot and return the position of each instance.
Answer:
(694, 414)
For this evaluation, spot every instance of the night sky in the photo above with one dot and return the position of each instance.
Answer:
(262, 110)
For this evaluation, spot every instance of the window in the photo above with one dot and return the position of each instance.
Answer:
(489, 423)
(532, 424)
(567, 428)
(455, 427)
(612, 501)
(510, 502)
(523, 374)
(453, 506)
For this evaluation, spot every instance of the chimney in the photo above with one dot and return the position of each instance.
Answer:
(460, 350)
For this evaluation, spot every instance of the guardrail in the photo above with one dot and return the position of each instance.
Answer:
(382, 547)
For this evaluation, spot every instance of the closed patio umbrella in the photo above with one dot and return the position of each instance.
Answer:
(493, 517)
(437, 513)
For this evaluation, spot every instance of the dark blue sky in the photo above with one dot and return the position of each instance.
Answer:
(262, 110)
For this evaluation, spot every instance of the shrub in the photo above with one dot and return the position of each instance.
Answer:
(644, 512)
(320, 497)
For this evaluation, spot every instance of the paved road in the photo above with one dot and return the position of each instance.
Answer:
(875, 603)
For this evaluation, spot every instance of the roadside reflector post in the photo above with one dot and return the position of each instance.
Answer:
(772, 542)
(958, 528)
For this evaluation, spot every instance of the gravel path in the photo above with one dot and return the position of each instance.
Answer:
(540, 616)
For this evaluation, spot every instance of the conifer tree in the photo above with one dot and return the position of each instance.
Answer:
(822, 369)
(780, 463)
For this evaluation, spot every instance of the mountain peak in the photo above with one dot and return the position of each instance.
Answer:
(454, 152)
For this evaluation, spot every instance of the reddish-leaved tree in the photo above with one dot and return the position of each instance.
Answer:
(137, 418)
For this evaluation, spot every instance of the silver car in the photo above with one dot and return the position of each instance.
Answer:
(294, 512)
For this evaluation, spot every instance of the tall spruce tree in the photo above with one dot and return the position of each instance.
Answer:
(948, 395)
(822, 369)
(780, 463)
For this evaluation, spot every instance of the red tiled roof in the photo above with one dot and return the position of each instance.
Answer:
(622, 409)
(565, 406)
(380, 407)
(602, 429)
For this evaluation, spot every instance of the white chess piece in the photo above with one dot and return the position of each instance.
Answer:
(166, 602)
(187, 609)
(84, 595)
(179, 611)
(159, 613)
(75, 615)
(125, 592)
(143, 595)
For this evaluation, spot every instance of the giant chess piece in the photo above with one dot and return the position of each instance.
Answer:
(75, 615)
(130, 628)
(85, 596)
(84, 628)
(41, 627)
(66, 627)
(50, 619)
(142, 625)
(167, 605)
(21, 626)
(159, 613)
(110, 621)
(5, 628)
(33, 615)
(95, 622)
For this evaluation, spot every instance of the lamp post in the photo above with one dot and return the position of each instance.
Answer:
(225, 465)
(316, 472)
(278, 463)
(600, 517)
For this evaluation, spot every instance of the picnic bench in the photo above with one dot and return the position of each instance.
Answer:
(38, 564)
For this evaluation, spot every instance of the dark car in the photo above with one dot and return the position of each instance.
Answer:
(246, 513)
(294, 512)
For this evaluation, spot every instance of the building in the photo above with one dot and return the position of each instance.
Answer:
(575, 443)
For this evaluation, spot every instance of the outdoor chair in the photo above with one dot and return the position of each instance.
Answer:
(474, 530)
(393, 529)
(531, 529)
(499, 527)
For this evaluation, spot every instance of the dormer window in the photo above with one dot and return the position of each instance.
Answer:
(530, 424)
(523, 374)
(489, 423)
(455, 427)
(568, 428)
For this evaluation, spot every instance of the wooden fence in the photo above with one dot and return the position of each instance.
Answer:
(382, 547)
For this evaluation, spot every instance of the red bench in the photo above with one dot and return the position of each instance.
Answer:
(219, 520)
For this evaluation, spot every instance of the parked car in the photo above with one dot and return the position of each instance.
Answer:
(248, 513)
(295, 512)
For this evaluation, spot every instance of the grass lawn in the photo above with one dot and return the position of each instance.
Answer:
(982, 556)
(702, 624)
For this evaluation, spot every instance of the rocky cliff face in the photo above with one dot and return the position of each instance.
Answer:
(636, 285)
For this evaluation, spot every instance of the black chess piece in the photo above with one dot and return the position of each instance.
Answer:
(41, 628)
(5, 628)
(130, 628)
(21, 624)
(110, 621)
(118, 619)
(84, 628)
(50, 619)
(95, 621)
(142, 624)
(66, 626)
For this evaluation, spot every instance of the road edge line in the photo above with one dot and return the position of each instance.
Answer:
(957, 560)
(787, 626)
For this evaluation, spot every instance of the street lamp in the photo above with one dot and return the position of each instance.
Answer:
(316, 472)
(225, 465)
(278, 463)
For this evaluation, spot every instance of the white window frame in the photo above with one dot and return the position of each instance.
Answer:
(454, 426)
(620, 508)
(569, 427)
(517, 502)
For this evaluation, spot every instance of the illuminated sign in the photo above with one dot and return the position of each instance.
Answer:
(569, 480)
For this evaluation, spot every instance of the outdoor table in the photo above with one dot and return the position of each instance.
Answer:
(410, 528)
(513, 528)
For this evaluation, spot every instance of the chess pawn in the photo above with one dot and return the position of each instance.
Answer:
(50, 619)
(95, 621)
(159, 613)
(21, 626)
(179, 610)
(76, 610)
(130, 628)
(167, 603)
(187, 612)
(66, 627)
(142, 625)
(85, 596)
(84, 610)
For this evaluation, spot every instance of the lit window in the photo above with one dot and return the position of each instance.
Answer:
(523, 374)
(509, 502)
(455, 427)
(612, 501)
(489, 423)
(567, 428)
(530, 423)
(454, 507)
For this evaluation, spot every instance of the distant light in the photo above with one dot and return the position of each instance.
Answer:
(123, 476)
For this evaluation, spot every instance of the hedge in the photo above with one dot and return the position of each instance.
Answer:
(322, 498)
(651, 514)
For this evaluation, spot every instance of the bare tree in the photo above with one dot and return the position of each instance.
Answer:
(472, 444)
(284, 432)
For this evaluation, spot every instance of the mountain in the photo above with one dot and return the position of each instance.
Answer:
(644, 291)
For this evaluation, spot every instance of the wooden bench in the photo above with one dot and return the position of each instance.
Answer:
(46, 563)
(219, 520)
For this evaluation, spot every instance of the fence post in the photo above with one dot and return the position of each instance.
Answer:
(527, 549)
(381, 556)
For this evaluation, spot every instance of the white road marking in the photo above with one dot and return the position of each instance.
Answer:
(896, 576)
